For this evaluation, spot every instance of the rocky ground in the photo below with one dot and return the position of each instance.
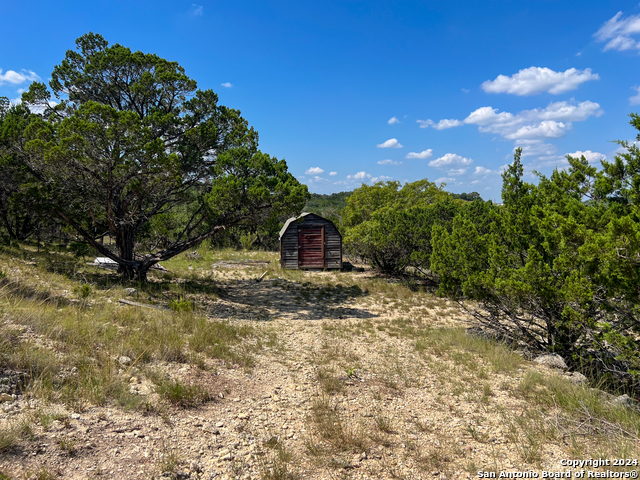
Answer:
(347, 390)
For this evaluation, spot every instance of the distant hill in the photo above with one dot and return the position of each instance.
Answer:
(327, 205)
(469, 197)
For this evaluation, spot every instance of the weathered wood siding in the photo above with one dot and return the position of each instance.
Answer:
(299, 247)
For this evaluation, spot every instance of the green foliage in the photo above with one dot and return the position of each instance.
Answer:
(556, 268)
(20, 215)
(132, 138)
(467, 197)
(391, 228)
(79, 249)
(328, 206)
(182, 395)
(83, 291)
(181, 305)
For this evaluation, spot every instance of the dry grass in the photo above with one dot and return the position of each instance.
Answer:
(63, 326)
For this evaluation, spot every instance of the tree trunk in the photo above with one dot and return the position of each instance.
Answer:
(134, 269)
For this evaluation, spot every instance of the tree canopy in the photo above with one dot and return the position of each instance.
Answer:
(126, 136)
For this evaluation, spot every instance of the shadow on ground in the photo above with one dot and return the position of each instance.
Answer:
(287, 299)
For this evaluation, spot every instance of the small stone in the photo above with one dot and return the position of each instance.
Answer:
(130, 291)
(5, 397)
(623, 400)
(552, 360)
(75, 416)
(124, 360)
(219, 424)
(577, 378)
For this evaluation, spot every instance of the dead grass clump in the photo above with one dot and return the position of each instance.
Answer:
(334, 430)
(276, 466)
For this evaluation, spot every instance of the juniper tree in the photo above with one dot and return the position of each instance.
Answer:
(126, 136)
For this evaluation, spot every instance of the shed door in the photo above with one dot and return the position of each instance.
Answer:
(311, 246)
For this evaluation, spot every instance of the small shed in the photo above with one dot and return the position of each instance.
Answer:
(310, 241)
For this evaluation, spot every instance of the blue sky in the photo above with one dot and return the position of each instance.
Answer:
(358, 91)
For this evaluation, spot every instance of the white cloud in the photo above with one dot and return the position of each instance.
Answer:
(441, 125)
(464, 90)
(393, 120)
(592, 157)
(359, 176)
(536, 148)
(381, 178)
(420, 155)
(314, 171)
(457, 171)
(447, 123)
(425, 123)
(475, 181)
(444, 180)
(533, 80)
(617, 32)
(197, 10)
(635, 100)
(545, 129)
(316, 179)
(391, 143)
(561, 162)
(39, 108)
(388, 162)
(450, 160)
(16, 78)
(530, 124)
(333, 173)
(227, 84)
(482, 171)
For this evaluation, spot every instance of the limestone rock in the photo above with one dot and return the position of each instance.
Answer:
(624, 400)
(577, 378)
(552, 360)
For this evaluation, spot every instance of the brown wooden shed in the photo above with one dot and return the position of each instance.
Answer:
(310, 241)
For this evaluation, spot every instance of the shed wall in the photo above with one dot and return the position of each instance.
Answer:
(332, 243)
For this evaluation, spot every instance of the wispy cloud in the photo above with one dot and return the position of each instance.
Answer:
(16, 78)
(561, 162)
(444, 180)
(441, 125)
(391, 143)
(388, 161)
(618, 32)
(314, 171)
(483, 171)
(333, 174)
(420, 155)
(227, 85)
(533, 80)
(393, 120)
(196, 10)
(635, 100)
(381, 178)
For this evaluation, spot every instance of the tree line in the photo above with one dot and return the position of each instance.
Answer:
(555, 267)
